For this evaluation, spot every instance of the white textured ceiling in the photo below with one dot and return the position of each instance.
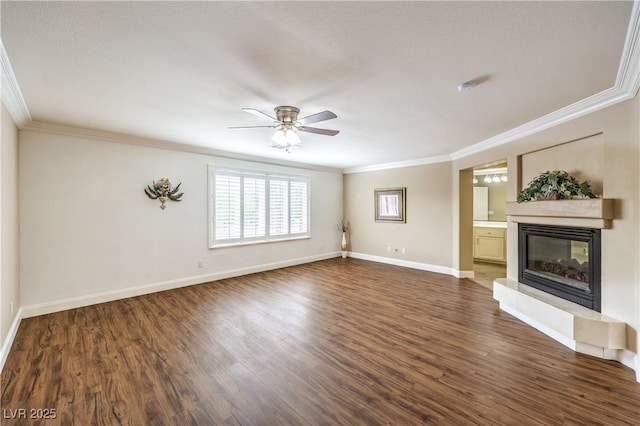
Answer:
(182, 71)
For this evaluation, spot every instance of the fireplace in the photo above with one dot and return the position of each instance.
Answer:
(563, 261)
(551, 234)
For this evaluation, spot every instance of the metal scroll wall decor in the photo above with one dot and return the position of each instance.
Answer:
(164, 191)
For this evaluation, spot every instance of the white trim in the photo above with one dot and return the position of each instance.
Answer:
(626, 87)
(107, 136)
(11, 335)
(414, 265)
(628, 78)
(406, 263)
(398, 164)
(11, 94)
(599, 101)
(108, 296)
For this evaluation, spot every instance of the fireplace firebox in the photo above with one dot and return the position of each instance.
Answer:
(563, 261)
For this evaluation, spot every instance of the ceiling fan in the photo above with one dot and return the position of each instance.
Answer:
(288, 125)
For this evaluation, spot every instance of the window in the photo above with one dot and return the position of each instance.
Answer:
(254, 221)
(255, 207)
(278, 207)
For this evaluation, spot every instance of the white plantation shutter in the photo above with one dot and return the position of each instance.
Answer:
(299, 206)
(227, 207)
(253, 207)
(278, 207)
(254, 223)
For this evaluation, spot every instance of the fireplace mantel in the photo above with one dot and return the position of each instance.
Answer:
(588, 213)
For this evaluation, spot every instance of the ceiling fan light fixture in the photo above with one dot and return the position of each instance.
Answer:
(286, 136)
(288, 125)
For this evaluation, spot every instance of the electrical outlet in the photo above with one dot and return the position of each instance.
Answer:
(200, 263)
(389, 249)
(404, 250)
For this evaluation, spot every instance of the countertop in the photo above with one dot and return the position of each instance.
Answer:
(489, 224)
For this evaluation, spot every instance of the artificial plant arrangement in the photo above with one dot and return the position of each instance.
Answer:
(163, 190)
(555, 185)
(343, 226)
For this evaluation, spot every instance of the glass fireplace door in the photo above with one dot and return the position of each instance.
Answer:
(562, 261)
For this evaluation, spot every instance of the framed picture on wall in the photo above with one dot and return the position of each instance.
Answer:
(390, 204)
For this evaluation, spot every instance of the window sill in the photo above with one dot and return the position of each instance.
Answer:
(251, 243)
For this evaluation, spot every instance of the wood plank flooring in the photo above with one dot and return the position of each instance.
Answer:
(342, 341)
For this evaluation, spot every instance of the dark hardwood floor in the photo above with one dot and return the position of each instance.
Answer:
(342, 341)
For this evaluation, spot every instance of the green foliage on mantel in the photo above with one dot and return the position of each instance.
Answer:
(555, 185)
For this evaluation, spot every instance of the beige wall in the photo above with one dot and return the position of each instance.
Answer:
(602, 147)
(584, 159)
(9, 264)
(618, 150)
(103, 239)
(426, 235)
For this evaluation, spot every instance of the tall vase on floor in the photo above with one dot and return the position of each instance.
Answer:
(344, 244)
(343, 226)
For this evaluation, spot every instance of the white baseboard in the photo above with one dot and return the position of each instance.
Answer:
(627, 358)
(11, 335)
(415, 265)
(109, 296)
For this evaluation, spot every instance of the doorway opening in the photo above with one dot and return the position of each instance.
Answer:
(489, 223)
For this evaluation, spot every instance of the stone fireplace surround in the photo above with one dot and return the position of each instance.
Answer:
(577, 327)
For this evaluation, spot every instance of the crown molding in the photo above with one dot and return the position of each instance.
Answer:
(625, 88)
(628, 78)
(599, 101)
(398, 164)
(106, 136)
(11, 93)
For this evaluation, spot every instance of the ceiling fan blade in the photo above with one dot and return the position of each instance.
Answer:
(325, 132)
(259, 113)
(314, 118)
(250, 127)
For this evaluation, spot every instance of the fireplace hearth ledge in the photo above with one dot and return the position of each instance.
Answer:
(577, 327)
